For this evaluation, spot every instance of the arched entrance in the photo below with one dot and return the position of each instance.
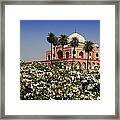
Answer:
(81, 54)
(84, 65)
(89, 65)
(60, 54)
(93, 64)
(67, 55)
(48, 57)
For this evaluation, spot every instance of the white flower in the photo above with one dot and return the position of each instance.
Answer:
(98, 98)
(74, 71)
(78, 76)
(67, 67)
(73, 90)
(85, 90)
(89, 87)
(84, 80)
(50, 73)
(82, 95)
(70, 94)
(77, 67)
(86, 96)
(32, 86)
(72, 77)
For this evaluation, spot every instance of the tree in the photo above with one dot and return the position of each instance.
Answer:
(63, 41)
(55, 43)
(88, 47)
(74, 43)
(51, 39)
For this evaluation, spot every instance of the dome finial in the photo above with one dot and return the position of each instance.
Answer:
(75, 30)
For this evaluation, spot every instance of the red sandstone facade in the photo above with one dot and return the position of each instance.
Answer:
(80, 59)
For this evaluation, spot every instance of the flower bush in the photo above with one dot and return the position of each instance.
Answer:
(58, 82)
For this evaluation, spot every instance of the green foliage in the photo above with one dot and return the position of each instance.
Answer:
(51, 37)
(53, 40)
(74, 42)
(63, 40)
(88, 46)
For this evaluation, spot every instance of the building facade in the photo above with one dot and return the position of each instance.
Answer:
(80, 57)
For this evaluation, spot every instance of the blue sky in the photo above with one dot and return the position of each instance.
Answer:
(33, 34)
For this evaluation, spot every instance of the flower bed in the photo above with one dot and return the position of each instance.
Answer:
(58, 82)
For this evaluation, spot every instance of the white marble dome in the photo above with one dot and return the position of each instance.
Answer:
(80, 37)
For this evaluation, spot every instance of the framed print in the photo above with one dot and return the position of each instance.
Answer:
(60, 60)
